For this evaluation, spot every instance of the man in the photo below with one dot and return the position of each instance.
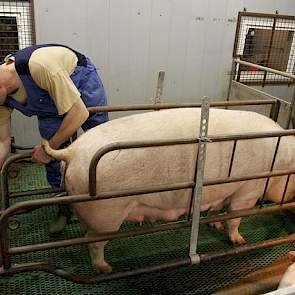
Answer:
(56, 84)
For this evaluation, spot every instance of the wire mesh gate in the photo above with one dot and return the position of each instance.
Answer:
(8, 251)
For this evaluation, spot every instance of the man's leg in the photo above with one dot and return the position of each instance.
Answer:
(64, 212)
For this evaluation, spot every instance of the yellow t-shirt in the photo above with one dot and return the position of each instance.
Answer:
(50, 68)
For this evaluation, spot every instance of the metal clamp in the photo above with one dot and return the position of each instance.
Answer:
(197, 193)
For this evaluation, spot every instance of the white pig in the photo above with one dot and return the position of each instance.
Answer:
(288, 278)
(137, 168)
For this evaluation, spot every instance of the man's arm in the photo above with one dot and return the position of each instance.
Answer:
(5, 141)
(73, 120)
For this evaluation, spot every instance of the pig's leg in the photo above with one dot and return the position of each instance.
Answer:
(96, 251)
(219, 225)
(102, 217)
(244, 199)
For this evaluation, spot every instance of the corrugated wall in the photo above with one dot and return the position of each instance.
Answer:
(131, 40)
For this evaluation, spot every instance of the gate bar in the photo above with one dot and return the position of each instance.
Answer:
(141, 107)
(266, 69)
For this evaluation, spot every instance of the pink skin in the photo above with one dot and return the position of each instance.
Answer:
(291, 255)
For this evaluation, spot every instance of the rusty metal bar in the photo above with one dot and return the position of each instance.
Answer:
(141, 144)
(141, 107)
(92, 279)
(99, 238)
(42, 191)
(250, 177)
(251, 135)
(22, 206)
(175, 263)
(128, 145)
(285, 190)
(4, 177)
(271, 169)
(232, 158)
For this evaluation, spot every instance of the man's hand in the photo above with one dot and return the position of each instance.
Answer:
(39, 155)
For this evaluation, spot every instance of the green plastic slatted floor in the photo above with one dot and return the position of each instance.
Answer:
(146, 250)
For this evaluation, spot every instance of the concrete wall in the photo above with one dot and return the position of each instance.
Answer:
(130, 41)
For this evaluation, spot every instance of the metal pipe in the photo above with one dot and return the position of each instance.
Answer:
(141, 144)
(250, 177)
(285, 190)
(271, 169)
(42, 191)
(141, 107)
(99, 238)
(4, 177)
(232, 158)
(175, 263)
(115, 235)
(128, 145)
(245, 248)
(249, 64)
(94, 279)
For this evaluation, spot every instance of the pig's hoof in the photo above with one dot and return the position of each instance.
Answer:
(218, 225)
(106, 268)
(238, 240)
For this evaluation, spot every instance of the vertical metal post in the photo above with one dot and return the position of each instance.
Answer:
(4, 187)
(291, 110)
(197, 194)
(160, 86)
(231, 78)
(275, 110)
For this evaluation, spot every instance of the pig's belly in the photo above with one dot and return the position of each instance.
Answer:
(152, 214)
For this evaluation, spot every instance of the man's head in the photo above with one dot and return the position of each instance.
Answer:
(9, 79)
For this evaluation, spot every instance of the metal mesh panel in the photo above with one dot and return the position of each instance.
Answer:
(16, 26)
(135, 252)
(267, 40)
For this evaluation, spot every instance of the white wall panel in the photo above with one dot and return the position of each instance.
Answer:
(130, 41)
(192, 85)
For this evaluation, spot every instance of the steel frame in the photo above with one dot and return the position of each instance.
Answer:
(21, 207)
(234, 76)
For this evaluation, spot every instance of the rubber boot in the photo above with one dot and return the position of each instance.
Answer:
(63, 217)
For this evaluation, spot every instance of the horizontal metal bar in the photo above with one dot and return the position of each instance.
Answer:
(35, 192)
(266, 15)
(250, 135)
(245, 248)
(103, 237)
(266, 69)
(250, 177)
(141, 231)
(21, 148)
(141, 107)
(29, 267)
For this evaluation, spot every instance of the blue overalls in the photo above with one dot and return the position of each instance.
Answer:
(39, 102)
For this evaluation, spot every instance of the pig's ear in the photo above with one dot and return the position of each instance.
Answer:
(291, 255)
